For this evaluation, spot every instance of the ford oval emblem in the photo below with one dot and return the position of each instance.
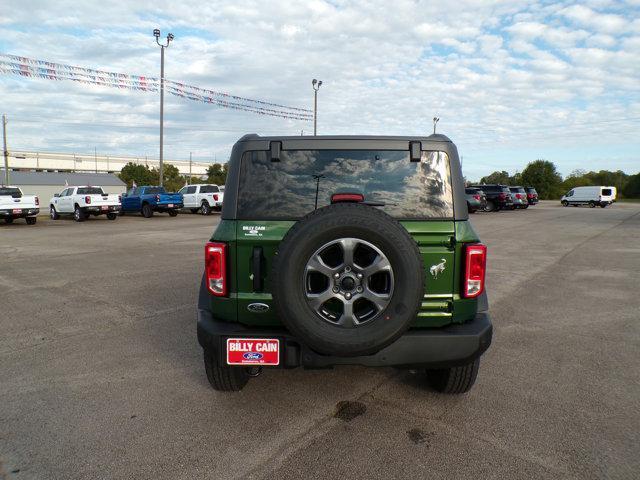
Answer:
(258, 307)
(252, 356)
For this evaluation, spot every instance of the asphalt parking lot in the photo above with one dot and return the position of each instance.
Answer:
(101, 375)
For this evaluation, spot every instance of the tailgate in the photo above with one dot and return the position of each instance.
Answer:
(436, 241)
(170, 198)
(98, 200)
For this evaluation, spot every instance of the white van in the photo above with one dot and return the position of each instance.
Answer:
(591, 196)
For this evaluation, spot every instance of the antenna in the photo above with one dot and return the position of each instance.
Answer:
(435, 122)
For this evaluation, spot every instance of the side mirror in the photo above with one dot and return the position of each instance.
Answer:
(56, 194)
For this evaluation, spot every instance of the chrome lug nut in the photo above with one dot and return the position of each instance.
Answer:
(359, 289)
(336, 289)
(359, 275)
(347, 269)
(347, 296)
(336, 275)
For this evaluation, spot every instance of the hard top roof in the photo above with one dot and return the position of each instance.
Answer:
(431, 138)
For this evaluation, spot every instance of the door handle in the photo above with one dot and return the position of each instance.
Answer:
(256, 268)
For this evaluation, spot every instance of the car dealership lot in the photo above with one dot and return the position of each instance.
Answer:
(101, 375)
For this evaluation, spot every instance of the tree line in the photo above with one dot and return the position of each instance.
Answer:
(544, 177)
(173, 180)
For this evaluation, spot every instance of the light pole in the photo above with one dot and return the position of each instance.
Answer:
(316, 84)
(156, 33)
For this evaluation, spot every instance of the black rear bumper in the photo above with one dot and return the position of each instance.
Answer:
(448, 346)
(26, 212)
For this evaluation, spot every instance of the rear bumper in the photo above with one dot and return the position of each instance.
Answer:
(165, 206)
(453, 345)
(97, 209)
(26, 212)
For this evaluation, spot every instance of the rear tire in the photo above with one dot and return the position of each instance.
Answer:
(222, 377)
(592, 204)
(454, 380)
(78, 215)
(603, 205)
(53, 213)
(112, 216)
(205, 209)
(31, 220)
(491, 206)
(147, 211)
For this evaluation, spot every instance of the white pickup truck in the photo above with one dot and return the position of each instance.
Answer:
(202, 197)
(14, 204)
(84, 201)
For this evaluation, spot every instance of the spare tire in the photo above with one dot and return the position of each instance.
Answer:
(347, 280)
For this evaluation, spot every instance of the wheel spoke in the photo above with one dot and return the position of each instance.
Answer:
(380, 264)
(348, 247)
(347, 319)
(316, 264)
(316, 300)
(380, 300)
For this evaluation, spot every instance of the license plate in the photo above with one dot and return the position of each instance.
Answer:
(253, 351)
(170, 205)
(105, 207)
(17, 210)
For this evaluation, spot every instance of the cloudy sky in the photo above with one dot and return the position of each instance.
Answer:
(511, 81)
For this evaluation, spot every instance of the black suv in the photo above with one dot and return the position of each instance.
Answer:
(498, 196)
(344, 250)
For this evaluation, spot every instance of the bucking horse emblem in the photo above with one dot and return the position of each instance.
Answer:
(438, 268)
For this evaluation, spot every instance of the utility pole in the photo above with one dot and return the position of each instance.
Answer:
(190, 166)
(6, 152)
(316, 84)
(156, 33)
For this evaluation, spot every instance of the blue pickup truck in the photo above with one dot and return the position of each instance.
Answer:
(150, 199)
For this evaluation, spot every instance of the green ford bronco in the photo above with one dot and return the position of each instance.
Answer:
(344, 250)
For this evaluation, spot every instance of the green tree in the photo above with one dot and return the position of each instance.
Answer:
(173, 181)
(217, 173)
(497, 177)
(632, 188)
(140, 174)
(544, 177)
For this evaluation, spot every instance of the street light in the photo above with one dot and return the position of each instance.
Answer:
(316, 84)
(156, 33)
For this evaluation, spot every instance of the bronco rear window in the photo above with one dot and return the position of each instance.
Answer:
(306, 179)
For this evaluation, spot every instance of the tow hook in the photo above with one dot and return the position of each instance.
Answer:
(254, 371)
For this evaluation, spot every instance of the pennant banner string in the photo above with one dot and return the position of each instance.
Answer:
(28, 67)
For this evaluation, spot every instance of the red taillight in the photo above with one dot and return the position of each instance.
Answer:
(215, 267)
(529, 195)
(477, 197)
(87, 199)
(475, 262)
(518, 196)
(347, 197)
(502, 196)
(215, 197)
(37, 201)
(158, 198)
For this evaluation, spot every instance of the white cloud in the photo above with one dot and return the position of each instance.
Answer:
(495, 72)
